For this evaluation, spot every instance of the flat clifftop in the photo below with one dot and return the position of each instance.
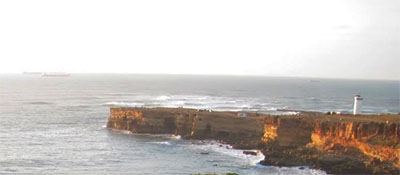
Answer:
(242, 132)
(337, 144)
(334, 143)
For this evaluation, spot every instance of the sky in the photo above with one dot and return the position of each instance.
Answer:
(307, 38)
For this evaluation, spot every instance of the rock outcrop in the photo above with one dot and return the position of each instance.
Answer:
(241, 132)
(336, 144)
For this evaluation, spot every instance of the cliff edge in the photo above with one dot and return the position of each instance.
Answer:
(334, 143)
(367, 144)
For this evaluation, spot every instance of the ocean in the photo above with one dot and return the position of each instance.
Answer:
(56, 125)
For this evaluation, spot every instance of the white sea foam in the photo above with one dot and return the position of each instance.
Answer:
(227, 150)
(198, 102)
(162, 98)
(125, 132)
(162, 136)
(175, 137)
(123, 104)
(162, 143)
(62, 138)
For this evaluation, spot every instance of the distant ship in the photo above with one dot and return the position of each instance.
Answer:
(32, 73)
(55, 74)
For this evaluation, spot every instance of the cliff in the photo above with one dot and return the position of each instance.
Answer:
(241, 132)
(336, 144)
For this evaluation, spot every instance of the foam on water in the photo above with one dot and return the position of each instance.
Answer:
(123, 104)
(162, 98)
(175, 137)
(57, 126)
(211, 147)
(197, 102)
(125, 132)
(162, 143)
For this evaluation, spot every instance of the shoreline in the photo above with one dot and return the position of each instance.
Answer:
(333, 143)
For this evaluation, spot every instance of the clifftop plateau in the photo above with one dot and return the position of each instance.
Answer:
(334, 143)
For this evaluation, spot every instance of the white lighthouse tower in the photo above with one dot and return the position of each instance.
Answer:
(357, 104)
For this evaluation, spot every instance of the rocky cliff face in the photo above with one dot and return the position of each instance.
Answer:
(336, 144)
(375, 145)
(241, 132)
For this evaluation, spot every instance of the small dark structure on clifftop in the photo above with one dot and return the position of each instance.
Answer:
(339, 144)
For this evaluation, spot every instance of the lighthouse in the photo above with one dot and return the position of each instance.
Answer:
(357, 104)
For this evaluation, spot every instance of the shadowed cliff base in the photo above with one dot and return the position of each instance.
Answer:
(340, 144)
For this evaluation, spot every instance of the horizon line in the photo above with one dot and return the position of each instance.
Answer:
(194, 74)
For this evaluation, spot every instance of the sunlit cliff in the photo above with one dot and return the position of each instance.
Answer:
(336, 144)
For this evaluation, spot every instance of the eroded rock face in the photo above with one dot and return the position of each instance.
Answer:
(241, 132)
(336, 144)
(376, 145)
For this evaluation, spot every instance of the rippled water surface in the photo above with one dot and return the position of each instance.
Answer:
(57, 125)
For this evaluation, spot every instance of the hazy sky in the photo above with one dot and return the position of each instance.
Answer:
(317, 38)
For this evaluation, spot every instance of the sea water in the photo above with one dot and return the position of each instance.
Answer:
(56, 125)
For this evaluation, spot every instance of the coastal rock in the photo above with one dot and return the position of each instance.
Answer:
(241, 132)
(334, 143)
(251, 152)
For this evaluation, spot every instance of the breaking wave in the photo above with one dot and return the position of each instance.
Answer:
(214, 147)
(199, 102)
